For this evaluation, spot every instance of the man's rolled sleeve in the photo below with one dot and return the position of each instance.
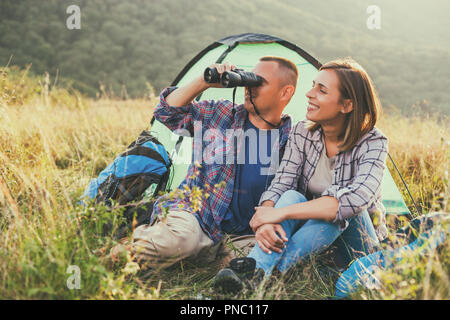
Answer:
(183, 117)
(359, 195)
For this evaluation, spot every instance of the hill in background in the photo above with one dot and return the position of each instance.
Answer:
(128, 45)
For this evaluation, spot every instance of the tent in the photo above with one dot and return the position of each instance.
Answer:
(244, 51)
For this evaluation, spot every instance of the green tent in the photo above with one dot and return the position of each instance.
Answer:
(244, 51)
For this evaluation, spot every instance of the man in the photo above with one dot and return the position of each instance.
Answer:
(239, 182)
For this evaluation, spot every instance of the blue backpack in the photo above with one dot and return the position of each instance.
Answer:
(144, 164)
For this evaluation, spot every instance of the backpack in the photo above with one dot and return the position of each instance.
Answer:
(145, 164)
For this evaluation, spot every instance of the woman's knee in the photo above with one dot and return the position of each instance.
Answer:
(290, 197)
(316, 234)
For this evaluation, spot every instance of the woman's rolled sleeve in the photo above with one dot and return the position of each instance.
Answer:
(363, 191)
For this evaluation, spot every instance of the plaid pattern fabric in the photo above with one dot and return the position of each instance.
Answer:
(357, 175)
(216, 117)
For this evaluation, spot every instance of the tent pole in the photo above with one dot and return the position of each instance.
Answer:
(419, 211)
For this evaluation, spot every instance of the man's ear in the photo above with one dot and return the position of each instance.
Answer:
(287, 92)
(347, 106)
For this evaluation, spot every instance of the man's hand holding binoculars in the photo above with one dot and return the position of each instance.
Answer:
(187, 93)
(213, 74)
(228, 76)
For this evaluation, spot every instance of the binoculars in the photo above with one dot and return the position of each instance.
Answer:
(231, 79)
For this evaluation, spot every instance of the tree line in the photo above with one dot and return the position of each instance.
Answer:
(133, 47)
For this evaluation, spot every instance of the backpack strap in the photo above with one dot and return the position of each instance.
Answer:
(144, 151)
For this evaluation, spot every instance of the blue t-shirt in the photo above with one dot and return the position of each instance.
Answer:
(252, 178)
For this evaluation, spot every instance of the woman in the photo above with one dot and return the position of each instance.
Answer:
(328, 184)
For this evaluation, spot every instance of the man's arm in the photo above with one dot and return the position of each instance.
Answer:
(186, 94)
(177, 108)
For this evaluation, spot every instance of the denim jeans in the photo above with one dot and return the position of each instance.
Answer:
(362, 272)
(313, 236)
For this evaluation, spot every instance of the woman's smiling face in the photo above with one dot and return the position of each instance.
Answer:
(324, 98)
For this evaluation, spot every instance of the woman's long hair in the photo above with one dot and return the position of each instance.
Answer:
(356, 85)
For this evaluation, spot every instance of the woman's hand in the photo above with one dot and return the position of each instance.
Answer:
(264, 215)
(268, 239)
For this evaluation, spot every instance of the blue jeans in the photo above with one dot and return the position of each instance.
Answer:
(313, 236)
(362, 271)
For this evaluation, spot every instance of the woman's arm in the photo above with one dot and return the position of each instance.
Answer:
(323, 208)
(366, 185)
(337, 203)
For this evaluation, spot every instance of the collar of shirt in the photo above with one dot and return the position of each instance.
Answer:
(242, 113)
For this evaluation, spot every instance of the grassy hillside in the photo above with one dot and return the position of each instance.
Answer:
(127, 46)
(53, 141)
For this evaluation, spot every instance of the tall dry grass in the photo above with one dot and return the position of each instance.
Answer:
(53, 141)
(419, 145)
(49, 150)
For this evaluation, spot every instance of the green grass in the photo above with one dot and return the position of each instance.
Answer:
(53, 141)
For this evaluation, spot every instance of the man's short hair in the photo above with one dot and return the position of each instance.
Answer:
(291, 72)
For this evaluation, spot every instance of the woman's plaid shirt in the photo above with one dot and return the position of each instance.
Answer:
(357, 175)
(217, 117)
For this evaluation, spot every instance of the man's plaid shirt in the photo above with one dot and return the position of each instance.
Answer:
(217, 117)
(357, 178)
